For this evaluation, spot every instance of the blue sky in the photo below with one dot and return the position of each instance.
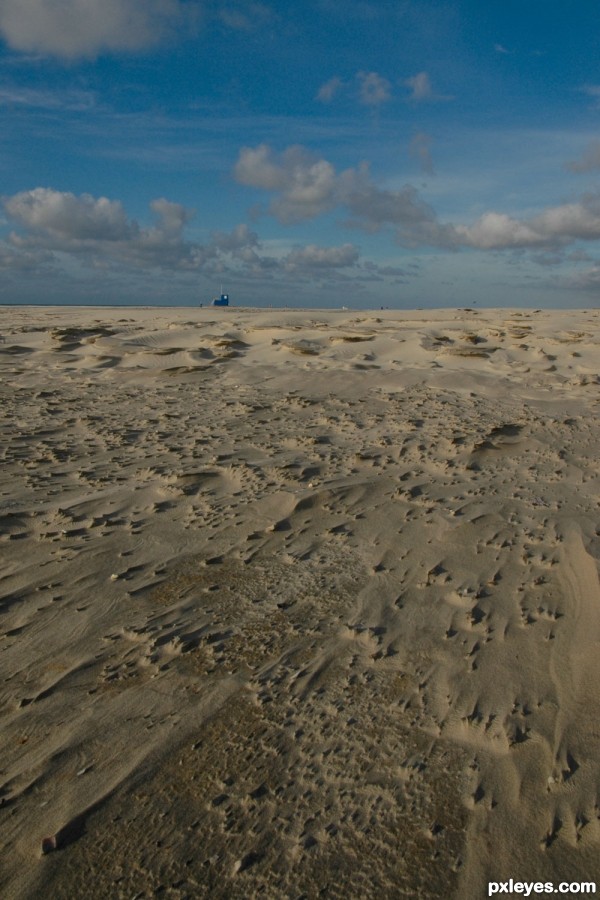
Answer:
(365, 154)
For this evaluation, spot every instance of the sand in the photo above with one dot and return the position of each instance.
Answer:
(298, 603)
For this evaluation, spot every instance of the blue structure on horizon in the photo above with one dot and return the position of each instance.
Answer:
(223, 300)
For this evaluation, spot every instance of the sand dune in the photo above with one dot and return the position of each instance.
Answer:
(298, 603)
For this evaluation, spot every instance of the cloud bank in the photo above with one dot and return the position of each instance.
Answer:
(305, 186)
(51, 227)
(98, 233)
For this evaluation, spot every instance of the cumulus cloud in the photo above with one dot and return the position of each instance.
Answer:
(96, 228)
(571, 221)
(306, 186)
(63, 216)
(494, 231)
(554, 227)
(70, 29)
(373, 88)
(257, 168)
(172, 216)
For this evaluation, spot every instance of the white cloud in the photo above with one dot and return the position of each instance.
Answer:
(571, 221)
(255, 167)
(499, 48)
(99, 230)
(496, 231)
(373, 88)
(327, 91)
(84, 28)
(172, 216)
(554, 227)
(63, 216)
(420, 86)
(422, 90)
(306, 185)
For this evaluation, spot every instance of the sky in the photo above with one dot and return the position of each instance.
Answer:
(401, 153)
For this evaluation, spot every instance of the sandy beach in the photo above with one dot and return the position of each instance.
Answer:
(298, 603)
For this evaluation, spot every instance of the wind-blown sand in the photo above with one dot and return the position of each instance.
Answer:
(298, 603)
